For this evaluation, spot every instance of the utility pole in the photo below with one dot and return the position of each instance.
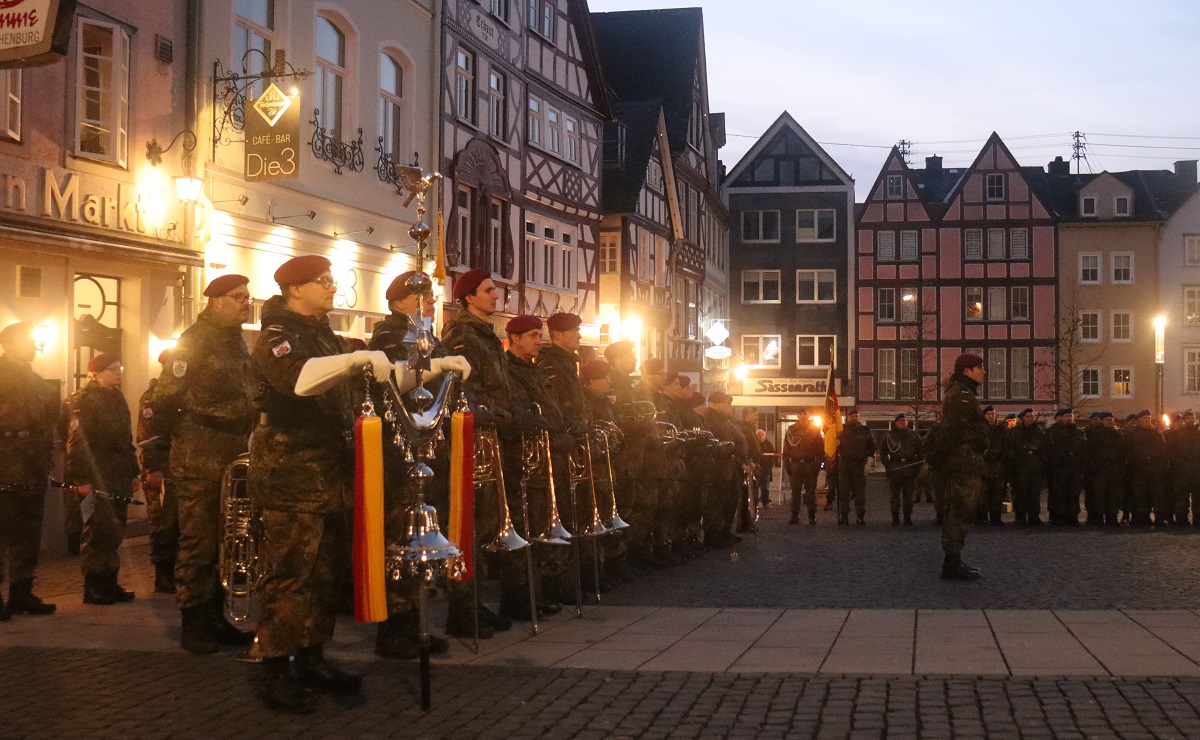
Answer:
(1079, 149)
(905, 147)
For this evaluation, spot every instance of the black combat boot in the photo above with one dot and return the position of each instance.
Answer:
(548, 595)
(96, 591)
(953, 569)
(908, 518)
(220, 627)
(318, 673)
(120, 595)
(861, 519)
(164, 577)
(812, 515)
(283, 689)
(514, 602)
(5, 614)
(392, 640)
(895, 519)
(22, 601)
(460, 621)
(195, 636)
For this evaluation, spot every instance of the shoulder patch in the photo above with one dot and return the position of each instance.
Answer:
(179, 368)
(147, 412)
(74, 424)
(282, 348)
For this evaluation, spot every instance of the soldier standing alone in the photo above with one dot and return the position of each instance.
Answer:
(855, 447)
(803, 453)
(958, 451)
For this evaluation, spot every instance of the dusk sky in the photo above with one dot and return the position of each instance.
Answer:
(944, 75)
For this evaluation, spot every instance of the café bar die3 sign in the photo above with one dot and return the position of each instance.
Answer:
(273, 136)
(34, 32)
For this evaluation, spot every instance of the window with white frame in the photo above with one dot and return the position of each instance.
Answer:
(1122, 268)
(571, 127)
(908, 305)
(1191, 250)
(1191, 369)
(1089, 326)
(529, 268)
(995, 244)
(1089, 269)
(102, 92)
(535, 121)
(816, 286)
(885, 246)
(550, 253)
(760, 226)
(1018, 305)
(554, 130)
(760, 286)
(908, 246)
(996, 304)
(549, 269)
(1019, 379)
(1087, 205)
(761, 350)
(610, 252)
(10, 104)
(331, 76)
(815, 350)
(1122, 326)
(464, 85)
(464, 197)
(1121, 205)
(497, 104)
(254, 28)
(997, 372)
(568, 279)
(895, 186)
(995, 186)
(534, 14)
(393, 108)
(816, 225)
(1089, 382)
(1018, 244)
(1191, 305)
(973, 304)
(885, 374)
(885, 304)
(973, 244)
(909, 373)
(548, 19)
(495, 235)
(499, 9)
(1122, 382)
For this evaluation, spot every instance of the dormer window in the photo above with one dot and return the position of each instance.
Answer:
(1121, 205)
(1087, 206)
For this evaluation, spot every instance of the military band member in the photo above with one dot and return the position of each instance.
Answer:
(158, 488)
(1147, 456)
(210, 385)
(647, 535)
(102, 463)
(1026, 450)
(1106, 467)
(560, 360)
(594, 374)
(26, 449)
(1065, 446)
(721, 506)
(901, 455)
(958, 451)
(855, 447)
(803, 452)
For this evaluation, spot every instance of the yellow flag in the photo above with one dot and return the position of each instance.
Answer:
(439, 267)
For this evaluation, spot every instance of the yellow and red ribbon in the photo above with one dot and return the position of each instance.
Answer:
(370, 585)
(462, 488)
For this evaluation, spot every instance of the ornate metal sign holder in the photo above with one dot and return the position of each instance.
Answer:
(231, 91)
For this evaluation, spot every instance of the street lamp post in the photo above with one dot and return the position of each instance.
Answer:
(1160, 350)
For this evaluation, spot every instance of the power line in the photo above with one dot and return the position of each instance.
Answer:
(1149, 146)
(1147, 136)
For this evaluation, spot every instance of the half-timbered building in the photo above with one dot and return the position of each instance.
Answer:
(523, 108)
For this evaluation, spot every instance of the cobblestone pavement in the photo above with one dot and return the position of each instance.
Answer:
(101, 694)
(881, 566)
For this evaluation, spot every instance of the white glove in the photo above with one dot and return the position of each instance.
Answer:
(406, 378)
(453, 363)
(319, 374)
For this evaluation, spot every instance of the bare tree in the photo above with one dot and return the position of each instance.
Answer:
(918, 391)
(1072, 357)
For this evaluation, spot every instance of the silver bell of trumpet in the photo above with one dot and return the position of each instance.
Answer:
(424, 544)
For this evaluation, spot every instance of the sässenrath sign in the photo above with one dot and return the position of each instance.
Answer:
(34, 32)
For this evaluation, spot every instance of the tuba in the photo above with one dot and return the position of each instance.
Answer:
(241, 533)
(488, 470)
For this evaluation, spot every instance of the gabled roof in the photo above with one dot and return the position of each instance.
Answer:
(623, 183)
(786, 122)
(581, 19)
(995, 141)
(1156, 193)
(653, 55)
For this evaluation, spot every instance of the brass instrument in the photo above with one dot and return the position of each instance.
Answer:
(637, 412)
(582, 472)
(241, 533)
(610, 436)
(488, 470)
(535, 458)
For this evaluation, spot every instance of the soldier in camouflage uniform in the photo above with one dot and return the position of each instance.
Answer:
(721, 505)
(211, 388)
(1026, 458)
(689, 461)
(101, 462)
(1065, 446)
(958, 451)
(855, 448)
(154, 451)
(990, 508)
(803, 453)
(72, 517)
(657, 490)
(629, 463)
(1106, 467)
(26, 449)
(901, 455)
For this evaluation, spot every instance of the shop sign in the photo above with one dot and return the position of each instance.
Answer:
(273, 137)
(34, 32)
(813, 382)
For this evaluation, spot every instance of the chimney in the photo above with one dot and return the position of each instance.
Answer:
(1059, 167)
(933, 164)
(1186, 170)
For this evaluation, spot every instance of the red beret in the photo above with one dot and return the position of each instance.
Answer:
(684, 381)
(697, 399)
(164, 357)
(563, 321)
(521, 324)
(594, 370)
(653, 366)
(13, 332)
(399, 289)
(617, 350)
(222, 285)
(966, 361)
(103, 361)
(302, 269)
(467, 283)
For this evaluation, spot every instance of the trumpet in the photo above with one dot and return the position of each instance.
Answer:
(535, 456)
(488, 470)
(241, 533)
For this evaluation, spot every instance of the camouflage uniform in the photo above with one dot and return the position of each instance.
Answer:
(72, 517)
(629, 465)
(961, 441)
(1106, 466)
(26, 451)
(1183, 449)
(721, 505)
(561, 368)
(211, 383)
(803, 453)
(1065, 447)
(855, 447)
(154, 436)
(100, 453)
(991, 504)
(901, 455)
(301, 474)
(657, 481)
